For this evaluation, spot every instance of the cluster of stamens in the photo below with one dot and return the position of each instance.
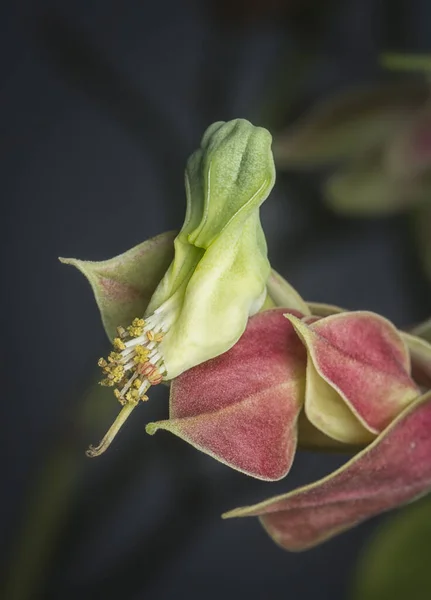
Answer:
(135, 364)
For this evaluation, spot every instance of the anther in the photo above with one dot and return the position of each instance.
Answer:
(118, 344)
(134, 365)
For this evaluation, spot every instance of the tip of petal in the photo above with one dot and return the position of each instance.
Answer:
(151, 428)
(75, 262)
(231, 514)
(297, 323)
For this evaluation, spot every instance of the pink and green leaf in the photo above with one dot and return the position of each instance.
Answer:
(393, 470)
(123, 285)
(311, 438)
(242, 407)
(358, 374)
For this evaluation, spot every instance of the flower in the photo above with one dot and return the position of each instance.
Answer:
(255, 370)
(331, 380)
(170, 304)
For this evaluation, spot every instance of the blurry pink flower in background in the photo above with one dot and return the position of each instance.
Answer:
(375, 145)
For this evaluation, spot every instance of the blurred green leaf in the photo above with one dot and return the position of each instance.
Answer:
(406, 62)
(347, 124)
(395, 565)
(366, 188)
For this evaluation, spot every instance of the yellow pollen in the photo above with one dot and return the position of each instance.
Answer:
(141, 354)
(136, 328)
(135, 331)
(118, 344)
(116, 373)
(128, 369)
(132, 396)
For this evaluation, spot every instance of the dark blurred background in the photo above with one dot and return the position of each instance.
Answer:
(101, 104)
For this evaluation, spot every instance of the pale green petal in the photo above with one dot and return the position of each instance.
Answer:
(228, 178)
(284, 295)
(218, 276)
(228, 286)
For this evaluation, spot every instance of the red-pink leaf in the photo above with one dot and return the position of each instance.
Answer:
(242, 407)
(393, 470)
(362, 357)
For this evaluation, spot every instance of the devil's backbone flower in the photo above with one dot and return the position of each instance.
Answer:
(333, 379)
(171, 304)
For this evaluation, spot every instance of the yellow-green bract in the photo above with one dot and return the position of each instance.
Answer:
(218, 276)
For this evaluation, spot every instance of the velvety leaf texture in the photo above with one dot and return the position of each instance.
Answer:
(242, 407)
(363, 358)
(123, 285)
(393, 470)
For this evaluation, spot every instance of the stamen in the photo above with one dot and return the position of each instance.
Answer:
(135, 365)
(130, 364)
(144, 387)
(128, 384)
(112, 431)
(119, 344)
